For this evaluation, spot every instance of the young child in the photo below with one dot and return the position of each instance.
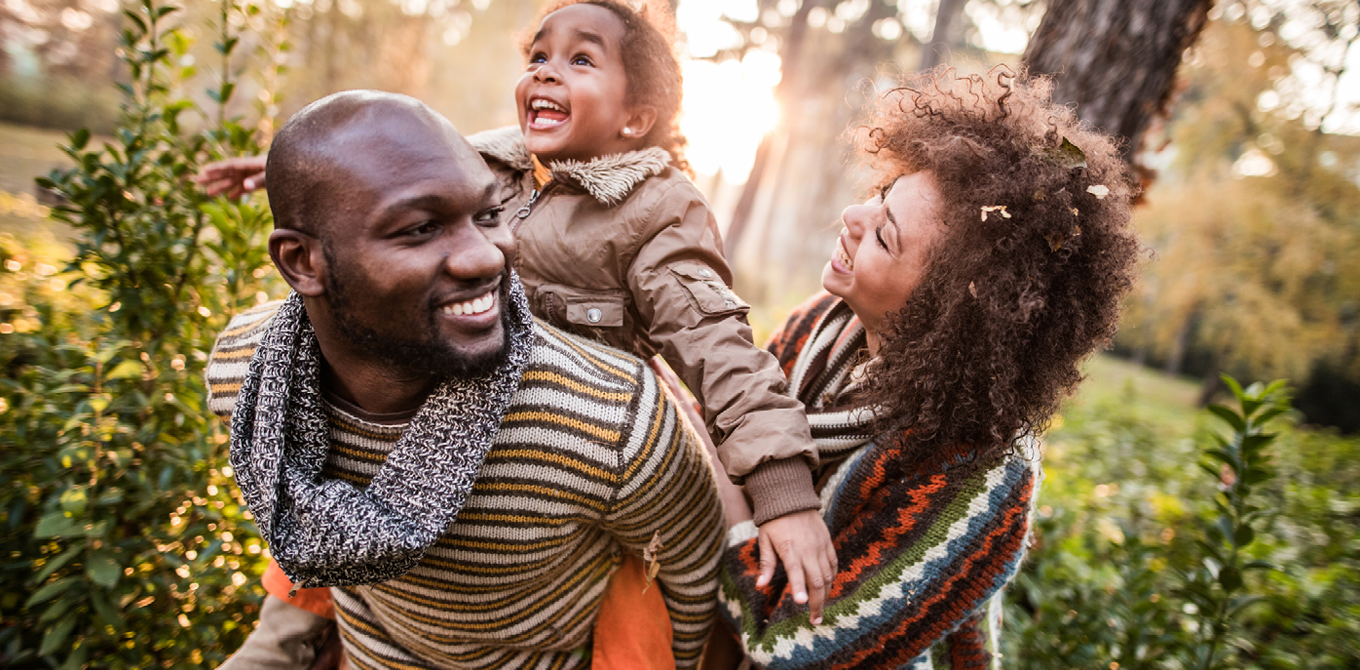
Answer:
(617, 244)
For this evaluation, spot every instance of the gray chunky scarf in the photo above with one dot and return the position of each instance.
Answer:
(329, 532)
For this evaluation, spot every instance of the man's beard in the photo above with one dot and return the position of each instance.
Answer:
(418, 355)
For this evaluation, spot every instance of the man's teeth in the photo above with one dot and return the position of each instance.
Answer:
(474, 306)
(540, 103)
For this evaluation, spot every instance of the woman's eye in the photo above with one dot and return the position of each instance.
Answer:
(490, 216)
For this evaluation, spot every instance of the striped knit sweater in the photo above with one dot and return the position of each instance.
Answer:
(922, 548)
(591, 461)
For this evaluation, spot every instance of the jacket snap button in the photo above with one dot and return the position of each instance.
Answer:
(593, 314)
(705, 273)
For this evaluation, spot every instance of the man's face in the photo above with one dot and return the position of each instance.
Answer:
(417, 254)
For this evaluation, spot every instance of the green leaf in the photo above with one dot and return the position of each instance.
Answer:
(103, 568)
(1067, 155)
(1229, 416)
(1223, 456)
(1257, 475)
(128, 369)
(56, 636)
(1233, 386)
(1230, 578)
(1244, 536)
(1259, 565)
(107, 611)
(55, 564)
(52, 590)
(1269, 414)
(80, 138)
(57, 524)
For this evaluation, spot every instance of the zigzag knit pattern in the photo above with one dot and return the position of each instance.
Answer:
(922, 547)
(590, 461)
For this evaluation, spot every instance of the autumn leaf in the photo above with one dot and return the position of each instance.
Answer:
(1067, 155)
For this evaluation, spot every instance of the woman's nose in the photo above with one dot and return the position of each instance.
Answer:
(854, 217)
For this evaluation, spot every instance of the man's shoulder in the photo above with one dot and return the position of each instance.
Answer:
(598, 367)
(231, 355)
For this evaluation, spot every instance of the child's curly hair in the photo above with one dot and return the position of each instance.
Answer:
(654, 76)
(1026, 280)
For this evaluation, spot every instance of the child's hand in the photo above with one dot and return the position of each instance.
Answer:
(803, 543)
(234, 176)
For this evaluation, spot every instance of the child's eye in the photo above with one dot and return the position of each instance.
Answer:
(883, 192)
(491, 216)
(581, 60)
(538, 58)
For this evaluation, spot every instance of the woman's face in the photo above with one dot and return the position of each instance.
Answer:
(881, 254)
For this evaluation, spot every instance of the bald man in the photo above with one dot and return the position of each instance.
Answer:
(464, 479)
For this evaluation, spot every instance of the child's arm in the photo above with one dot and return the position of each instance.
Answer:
(679, 281)
(233, 176)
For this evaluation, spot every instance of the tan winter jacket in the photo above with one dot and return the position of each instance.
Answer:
(624, 249)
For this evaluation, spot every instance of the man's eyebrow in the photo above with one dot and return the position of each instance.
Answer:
(432, 201)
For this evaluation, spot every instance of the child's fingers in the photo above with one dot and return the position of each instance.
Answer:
(768, 561)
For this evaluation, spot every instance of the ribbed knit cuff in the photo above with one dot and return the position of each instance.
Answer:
(780, 487)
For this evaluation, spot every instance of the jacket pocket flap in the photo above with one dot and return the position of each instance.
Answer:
(597, 309)
(707, 290)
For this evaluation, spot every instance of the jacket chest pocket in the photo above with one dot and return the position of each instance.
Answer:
(706, 290)
(573, 308)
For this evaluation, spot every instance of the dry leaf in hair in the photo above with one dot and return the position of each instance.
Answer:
(999, 209)
(972, 289)
(1098, 190)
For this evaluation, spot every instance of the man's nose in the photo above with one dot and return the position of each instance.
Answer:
(472, 256)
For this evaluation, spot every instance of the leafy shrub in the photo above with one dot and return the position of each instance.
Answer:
(126, 543)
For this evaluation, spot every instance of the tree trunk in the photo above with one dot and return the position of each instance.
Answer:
(1116, 59)
(941, 41)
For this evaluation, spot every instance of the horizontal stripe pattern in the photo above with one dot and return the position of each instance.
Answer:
(592, 460)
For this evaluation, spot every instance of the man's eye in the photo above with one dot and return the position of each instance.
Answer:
(425, 228)
(490, 216)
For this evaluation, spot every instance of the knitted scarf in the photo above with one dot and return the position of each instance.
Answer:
(922, 548)
(329, 532)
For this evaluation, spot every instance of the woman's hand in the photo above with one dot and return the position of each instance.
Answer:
(802, 541)
(234, 176)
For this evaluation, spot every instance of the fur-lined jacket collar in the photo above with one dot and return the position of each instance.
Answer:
(608, 179)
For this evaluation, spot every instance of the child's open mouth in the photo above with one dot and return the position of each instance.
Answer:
(545, 114)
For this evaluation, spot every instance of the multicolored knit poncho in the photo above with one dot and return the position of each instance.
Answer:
(922, 548)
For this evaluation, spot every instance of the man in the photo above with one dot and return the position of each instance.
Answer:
(465, 479)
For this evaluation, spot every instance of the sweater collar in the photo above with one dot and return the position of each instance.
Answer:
(608, 179)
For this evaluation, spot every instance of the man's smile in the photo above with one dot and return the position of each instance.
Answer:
(472, 307)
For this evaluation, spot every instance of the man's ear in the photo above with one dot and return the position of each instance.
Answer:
(640, 122)
(300, 260)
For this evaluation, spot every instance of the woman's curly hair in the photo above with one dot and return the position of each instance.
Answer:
(1026, 280)
(649, 59)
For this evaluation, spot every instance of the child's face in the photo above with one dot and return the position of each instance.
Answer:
(571, 98)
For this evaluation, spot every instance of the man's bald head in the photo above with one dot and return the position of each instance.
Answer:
(328, 152)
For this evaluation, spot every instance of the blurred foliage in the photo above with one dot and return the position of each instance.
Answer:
(126, 544)
(1255, 219)
(1158, 550)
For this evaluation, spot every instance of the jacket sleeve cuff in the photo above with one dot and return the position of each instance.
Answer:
(780, 487)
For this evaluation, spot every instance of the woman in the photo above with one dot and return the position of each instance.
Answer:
(959, 303)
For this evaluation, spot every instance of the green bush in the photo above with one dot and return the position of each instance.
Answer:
(1143, 561)
(126, 543)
